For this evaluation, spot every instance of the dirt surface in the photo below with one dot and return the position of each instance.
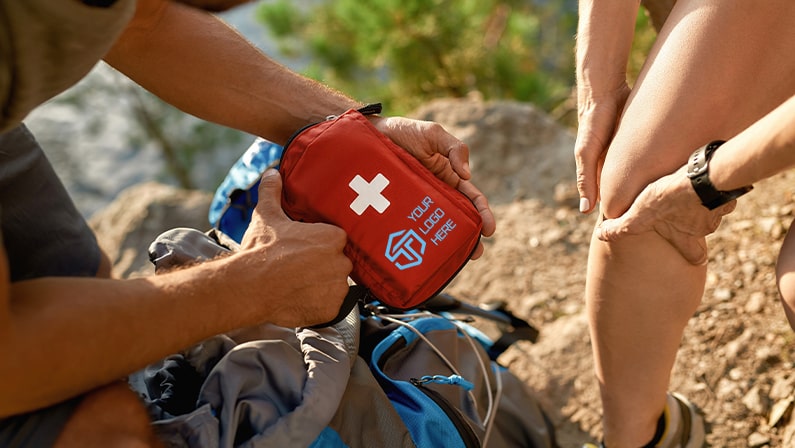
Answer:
(736, 356)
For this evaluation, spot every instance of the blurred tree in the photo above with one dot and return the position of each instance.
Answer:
(181, 139)
(405, 52)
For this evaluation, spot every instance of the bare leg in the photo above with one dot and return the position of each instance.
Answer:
(716, 68)
(785, 276)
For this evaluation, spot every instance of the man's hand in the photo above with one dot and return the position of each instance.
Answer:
(670, 207)
(444, 155)
(296, 272)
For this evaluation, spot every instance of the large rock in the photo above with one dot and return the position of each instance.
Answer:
(139, 214)
(516, 150)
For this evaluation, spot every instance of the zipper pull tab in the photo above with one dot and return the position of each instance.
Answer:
(453, 380)
(370, 109)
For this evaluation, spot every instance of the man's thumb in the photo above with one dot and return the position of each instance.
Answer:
(270, 190)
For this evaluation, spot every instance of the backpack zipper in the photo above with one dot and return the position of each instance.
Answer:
(467, 433)
(368, 109)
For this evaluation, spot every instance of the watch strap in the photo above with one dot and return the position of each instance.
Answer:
(698, 172)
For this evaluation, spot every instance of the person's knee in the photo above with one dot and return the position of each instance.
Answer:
(616, 192)
(110, 416)
(785, 280)
(786, 288)
(785, 275)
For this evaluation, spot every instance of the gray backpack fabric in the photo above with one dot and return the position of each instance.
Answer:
(340, 386)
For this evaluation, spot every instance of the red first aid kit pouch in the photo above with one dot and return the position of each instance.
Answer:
(409, 233)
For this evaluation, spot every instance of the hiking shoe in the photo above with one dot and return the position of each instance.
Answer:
(684, 425)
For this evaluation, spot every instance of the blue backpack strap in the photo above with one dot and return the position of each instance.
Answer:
(328, 439)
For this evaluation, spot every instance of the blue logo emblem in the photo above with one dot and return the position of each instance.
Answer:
(405, 249)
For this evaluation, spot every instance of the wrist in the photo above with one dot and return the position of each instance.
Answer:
(699, 174)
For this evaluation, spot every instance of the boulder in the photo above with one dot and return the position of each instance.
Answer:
(127, 226)
(517, 151)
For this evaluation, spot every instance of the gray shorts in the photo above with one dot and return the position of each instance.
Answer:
(44, 235)
(36, 429)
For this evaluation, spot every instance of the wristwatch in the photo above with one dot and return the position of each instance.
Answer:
(698, 172)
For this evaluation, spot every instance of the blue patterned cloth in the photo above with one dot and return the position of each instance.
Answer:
(235, 198)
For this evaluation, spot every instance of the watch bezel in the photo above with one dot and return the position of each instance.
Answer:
(698, 164)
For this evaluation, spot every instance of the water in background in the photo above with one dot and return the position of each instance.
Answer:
(97, 162)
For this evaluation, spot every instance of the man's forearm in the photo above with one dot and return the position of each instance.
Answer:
(196, 62)
(604, 37)
(65, 336)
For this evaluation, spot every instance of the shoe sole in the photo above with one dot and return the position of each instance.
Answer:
(692, 421)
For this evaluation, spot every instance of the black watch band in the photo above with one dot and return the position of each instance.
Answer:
(99, 3)
(698, 172)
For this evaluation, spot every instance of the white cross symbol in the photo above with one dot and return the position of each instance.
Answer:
(369, 194)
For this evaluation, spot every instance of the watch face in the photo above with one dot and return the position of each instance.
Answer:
(697, 165)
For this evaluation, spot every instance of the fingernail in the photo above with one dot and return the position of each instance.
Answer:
(585, 204)
(270, 172)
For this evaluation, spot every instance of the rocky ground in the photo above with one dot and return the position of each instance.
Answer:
(736, 358)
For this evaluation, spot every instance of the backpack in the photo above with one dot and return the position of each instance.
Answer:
(375, 379)
(438, 375)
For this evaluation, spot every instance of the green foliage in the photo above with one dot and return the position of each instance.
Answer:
(406, 52)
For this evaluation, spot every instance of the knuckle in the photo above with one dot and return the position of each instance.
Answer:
(339, 236)
(433, 127)
(581, 182)
(346, 266)
(460, 148)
